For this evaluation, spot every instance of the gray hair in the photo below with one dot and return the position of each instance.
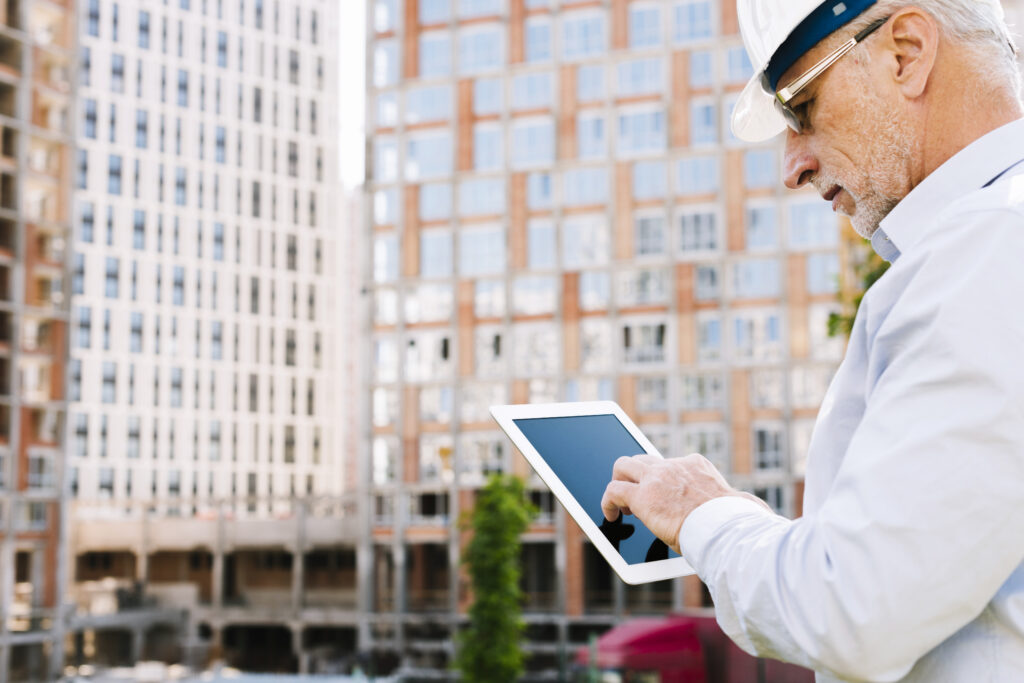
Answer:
(978, 25)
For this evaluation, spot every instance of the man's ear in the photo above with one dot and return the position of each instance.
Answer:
(913, 43)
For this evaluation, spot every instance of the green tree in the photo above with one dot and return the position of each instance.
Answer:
(869, 270)
(489, 650)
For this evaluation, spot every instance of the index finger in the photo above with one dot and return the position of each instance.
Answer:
(630, 467)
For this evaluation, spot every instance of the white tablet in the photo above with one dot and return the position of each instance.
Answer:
(573, 447)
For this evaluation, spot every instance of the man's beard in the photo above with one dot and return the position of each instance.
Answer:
(885, 183)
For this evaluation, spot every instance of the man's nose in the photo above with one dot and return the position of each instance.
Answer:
(799, 165)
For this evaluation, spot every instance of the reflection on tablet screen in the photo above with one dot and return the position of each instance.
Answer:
(582, 451)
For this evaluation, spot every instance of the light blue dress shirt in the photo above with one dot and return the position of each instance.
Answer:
(908, 564)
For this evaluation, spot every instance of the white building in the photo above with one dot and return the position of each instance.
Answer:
(202, 299)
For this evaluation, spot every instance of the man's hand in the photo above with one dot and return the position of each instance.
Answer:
(662, 493)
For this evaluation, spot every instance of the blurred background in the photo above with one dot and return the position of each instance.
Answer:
(264, 265)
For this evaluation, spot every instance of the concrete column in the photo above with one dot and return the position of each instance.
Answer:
(217, 578)
(141, 565)
(5, 662)
(298, 578)
(297, 648)
(138, 643)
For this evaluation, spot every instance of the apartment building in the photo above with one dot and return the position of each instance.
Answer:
(36, 65)
(557, 210)
(205, 424)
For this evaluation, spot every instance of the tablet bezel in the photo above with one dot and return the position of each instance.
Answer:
(633, 574)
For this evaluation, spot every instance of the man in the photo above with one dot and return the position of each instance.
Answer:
(908, 564)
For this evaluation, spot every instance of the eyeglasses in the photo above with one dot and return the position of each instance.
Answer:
(786, 95)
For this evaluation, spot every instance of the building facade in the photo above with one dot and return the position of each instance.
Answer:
(205, 432)
(557, 210)
(36, 64)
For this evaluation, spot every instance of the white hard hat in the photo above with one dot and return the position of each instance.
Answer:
(776, 34)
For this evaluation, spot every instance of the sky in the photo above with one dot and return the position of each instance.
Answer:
(352, 99)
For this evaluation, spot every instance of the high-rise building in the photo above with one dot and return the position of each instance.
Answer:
(557, 210)
(205, 420)
(36, 64)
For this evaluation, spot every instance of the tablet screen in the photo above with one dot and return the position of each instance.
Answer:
(581, 450)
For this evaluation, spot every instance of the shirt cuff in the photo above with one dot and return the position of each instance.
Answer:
(704, 523)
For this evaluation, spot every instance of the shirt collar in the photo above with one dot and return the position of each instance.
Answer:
(970, 169)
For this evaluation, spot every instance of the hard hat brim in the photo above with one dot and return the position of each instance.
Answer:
(755, 117)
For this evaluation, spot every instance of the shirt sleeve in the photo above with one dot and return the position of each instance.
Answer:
(923, 522)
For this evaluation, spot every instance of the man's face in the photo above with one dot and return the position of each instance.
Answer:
(856, 143)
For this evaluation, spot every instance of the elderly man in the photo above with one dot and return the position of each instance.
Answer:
(908, 564)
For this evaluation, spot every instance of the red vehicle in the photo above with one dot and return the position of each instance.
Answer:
(684, 648)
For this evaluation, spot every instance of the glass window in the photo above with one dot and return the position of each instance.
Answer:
(435, 253)
(650, 180)
(650, 236)
(596, 345)
(541, 245)
(739, 68)
(823, 273)
(691, 20)
(487, 96)
(644, 343)
(435, 11)
(590, 83)
(644, 25)
(812, 225)
(709, 441)
(488, 149)
(428, 104)
(642, 287)
(489, 352)
(642, 132)
(385, 258)
(428, 155)
(477, 396)
(482, 197)
(429, 357)
(480, 49)
(482, 251)
(489, 298)
(640, 77)
(435, 201)
(697, 175)
(533, 91)
(651, 394)
(595, 290)
(428, 303)
(756, 278)
(385, 206)
(768, 451)
(585, 242)
(767, 388)
(436, 404)
(385, 15)
(709, 337)
(385, 360)
(533, 142)
(385, 154)
(703, 391)
(539, 191)
(535, 349)
(585, 186)
(538, 39)
(114, 174)
(435, 55)
(698, 231)
(478, 8)
(385, 63)
(762, 227)
(756, 336)
(760, 169)
(534, 295)
(583, 35)
(703, 123)
(591, 142)
(702, 69)
(709, 283)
